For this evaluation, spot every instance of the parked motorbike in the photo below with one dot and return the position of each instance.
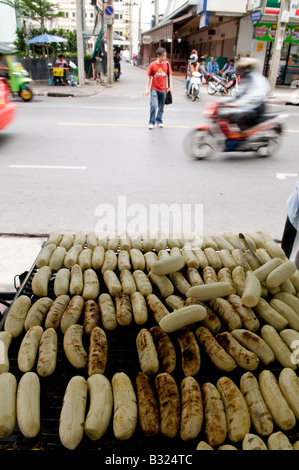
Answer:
(194, 85)
(116, 73)
(263, 138)
(18, 78)
(221, 85)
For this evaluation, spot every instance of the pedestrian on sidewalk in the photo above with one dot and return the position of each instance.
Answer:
(103, 52)
(156, 86)
(212, 66)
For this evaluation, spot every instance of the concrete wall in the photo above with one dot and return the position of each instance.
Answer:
(38, 68)
(7, 24)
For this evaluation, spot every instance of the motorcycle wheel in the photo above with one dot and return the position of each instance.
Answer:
(212, 88)
(194, 94)
(271, 145)
(26, 93)
(233, 91)
(200, 144)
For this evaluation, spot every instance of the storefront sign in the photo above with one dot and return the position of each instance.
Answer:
(201, 6)
(256, 16)
(294, 9)
(267, 32)
(204, 19)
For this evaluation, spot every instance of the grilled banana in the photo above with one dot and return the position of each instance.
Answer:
(216, 354)
(289, 385)
(73, 346)
(191, 409)
(147, 353)
(281, 351)
(260, 416)
(254, 343)
(169, 404)
(165, 349)
(244, 358)
(214, 413)
(277, 405)
(148, 409)
(189, 351)
(237, 414)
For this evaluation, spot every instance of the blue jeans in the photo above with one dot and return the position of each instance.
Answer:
(188, 82)
(157, 106)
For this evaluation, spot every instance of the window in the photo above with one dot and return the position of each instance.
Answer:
(73, 14)
(66, 14)
(91, 15)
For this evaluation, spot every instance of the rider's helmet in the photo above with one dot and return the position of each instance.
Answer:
(246, 65)
(193, 58)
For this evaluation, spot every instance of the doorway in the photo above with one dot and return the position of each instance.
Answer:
(288, 70)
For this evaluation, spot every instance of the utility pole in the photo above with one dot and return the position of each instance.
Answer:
(283, 20)
(80, 47)
(110, 65)
(156, 12)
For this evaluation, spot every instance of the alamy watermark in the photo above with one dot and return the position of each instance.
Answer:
(164, 219)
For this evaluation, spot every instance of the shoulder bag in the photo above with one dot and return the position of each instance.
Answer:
(168, 93)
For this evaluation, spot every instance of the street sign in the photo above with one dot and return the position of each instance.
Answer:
(109, 11)
(256, 16)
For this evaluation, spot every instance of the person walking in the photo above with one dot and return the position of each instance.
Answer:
(156, 86)
(212, 66)
(290, 236)
(103, 52)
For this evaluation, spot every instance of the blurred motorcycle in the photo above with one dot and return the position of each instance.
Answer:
(263, 138)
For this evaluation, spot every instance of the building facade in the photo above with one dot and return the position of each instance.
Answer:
(225, 29)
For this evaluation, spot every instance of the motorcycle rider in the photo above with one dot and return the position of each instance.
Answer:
(194, 67)
(248, 105)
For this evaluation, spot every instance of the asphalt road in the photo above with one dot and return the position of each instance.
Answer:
(63, 159)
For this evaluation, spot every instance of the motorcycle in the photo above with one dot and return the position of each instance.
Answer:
(18, 79)
(263, 138)
(116, 73)
(194, 86)
(221, 85)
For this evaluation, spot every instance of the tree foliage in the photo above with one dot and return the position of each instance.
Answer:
(69, 48)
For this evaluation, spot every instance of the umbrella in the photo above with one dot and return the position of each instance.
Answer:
(46, 39)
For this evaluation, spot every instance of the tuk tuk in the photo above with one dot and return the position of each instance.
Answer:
(17, 77)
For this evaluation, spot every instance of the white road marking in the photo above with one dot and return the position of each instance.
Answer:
(122, 108)
(112, 125)
(282, 176)
(50, 167)
(112, 108)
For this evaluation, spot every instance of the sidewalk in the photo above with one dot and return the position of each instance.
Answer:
(281, 95)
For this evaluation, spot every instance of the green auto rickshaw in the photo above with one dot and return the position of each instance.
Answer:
(17, 77)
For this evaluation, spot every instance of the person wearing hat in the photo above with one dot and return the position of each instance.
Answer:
(249, 103)
(194, 67)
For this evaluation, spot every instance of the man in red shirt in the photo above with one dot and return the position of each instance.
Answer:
(157, 86)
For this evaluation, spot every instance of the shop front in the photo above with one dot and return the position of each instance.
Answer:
(289, 61)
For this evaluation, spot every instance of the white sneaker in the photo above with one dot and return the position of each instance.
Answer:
(151, 126)
(160, 125)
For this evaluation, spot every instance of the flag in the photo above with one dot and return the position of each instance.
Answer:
(97, 46)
